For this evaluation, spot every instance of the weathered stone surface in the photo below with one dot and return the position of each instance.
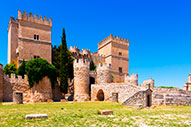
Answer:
(106, 112)
(36, 116)
(166, 96)
(115, 97)
(103, 74)
(17, 98)
(81, 80)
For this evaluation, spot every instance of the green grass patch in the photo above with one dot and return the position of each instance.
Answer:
(87, 114)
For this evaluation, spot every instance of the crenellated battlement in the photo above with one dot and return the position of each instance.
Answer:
(114, 39)
(103, 66)
(34, 19)
(18, 79)
(85, 53)
(81, 62)
(131, 79)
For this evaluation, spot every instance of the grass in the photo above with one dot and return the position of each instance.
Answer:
(86, 114)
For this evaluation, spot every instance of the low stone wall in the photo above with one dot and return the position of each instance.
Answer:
(166, 96)
(124, 90)
(40, 92)
(143, 98)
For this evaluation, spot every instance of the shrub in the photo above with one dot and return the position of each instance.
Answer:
(38, 68)
(21, 69)
(10, 68)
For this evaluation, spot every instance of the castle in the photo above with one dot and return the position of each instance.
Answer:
(30, 37)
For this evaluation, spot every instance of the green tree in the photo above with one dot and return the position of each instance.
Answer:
(21, 69)
(64, 64)
(92, 66)
(10, 68)
(38, 68)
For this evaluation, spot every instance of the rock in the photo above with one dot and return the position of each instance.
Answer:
(36, 116)
(139, 106)
(63, 100)
(50, 100)
(106, 112)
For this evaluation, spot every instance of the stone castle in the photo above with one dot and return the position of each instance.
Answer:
(30, 37)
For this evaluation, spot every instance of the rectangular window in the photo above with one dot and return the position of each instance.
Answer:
(120, 69)
(35, 37)
(36, 57)
(120, 53)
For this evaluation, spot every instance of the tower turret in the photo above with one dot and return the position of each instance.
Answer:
(103, 73)
(133, 79)
(81, 79)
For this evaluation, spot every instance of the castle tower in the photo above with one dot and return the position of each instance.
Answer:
(1, 83)
(81, 79)
(133, 79)
(103, 74)
(116, 52)
(189, 78)
(29, 37)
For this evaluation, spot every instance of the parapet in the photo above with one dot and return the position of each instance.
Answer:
(103, 66)
(74, 49)
(77, 54)
(85, 52)
(35, 19)
(81, 62)
(110, 38)
(19, 79)
(131, 79)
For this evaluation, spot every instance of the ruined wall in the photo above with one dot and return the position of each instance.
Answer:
(149, 81)
(165, 96)
(40, 92)
(125, 90)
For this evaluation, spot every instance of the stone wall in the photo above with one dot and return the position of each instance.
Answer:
(1, 82)
(166, 96)
(40, 92)
(124, 90)
(143, 98)
(81, 79)
(103, 74)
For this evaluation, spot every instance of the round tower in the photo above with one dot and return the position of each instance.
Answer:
(81, 79)
(103, 74)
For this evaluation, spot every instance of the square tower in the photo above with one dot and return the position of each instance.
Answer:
(28, 38)
(116, 52)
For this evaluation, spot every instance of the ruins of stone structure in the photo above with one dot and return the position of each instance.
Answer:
(149, 81)
(187, 85)
(29, 37)
(40, 92)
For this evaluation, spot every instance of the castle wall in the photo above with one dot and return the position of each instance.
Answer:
(103, 74)
(124, 90)
(40, 92)
(1, 82)
(12, 39)
(165, 96)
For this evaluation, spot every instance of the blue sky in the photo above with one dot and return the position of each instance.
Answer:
(159, 31)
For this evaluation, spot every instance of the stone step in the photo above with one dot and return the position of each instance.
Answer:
(106, 112)
(36, 116)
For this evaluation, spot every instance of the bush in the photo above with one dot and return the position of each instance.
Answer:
(21, 69)
(10, 68)
(36, 69)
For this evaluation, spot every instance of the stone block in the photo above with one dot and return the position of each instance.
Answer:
(36, 116)
(63, 100)
(106, 112)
